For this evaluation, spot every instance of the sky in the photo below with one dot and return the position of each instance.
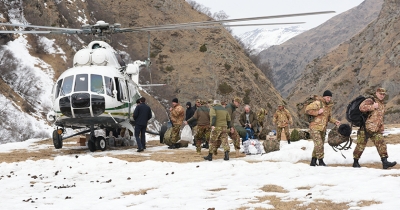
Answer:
(98, 181)
(255, 8)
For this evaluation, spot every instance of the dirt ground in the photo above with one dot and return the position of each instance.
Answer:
(185, 156)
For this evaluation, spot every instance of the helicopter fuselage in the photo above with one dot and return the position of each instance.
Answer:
(96, 91)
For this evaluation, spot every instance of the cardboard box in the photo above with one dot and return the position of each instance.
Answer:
(82, 141)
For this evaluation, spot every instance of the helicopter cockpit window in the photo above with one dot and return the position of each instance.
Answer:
(95, 46)
(119, 89)
(120, 61)
(109, 85)
(58, 88)
(96, 83)
(81, 82)
(67, 85)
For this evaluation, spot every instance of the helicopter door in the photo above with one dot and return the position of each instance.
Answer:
(108, 81)
(123, 90)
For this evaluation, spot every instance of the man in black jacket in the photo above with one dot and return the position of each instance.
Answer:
(141, 115)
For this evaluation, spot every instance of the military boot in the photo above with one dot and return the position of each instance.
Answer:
(209, 157)
(356, 164)
(386, 164)
(205, 145)
(321, 162)
(313, 161)
(288, 141)
(226, 155)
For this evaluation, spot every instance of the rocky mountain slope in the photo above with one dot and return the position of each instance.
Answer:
(368, 60)
(289, 59)
(261, 39)
(197, 63)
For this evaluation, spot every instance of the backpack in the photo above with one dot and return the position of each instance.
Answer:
(271, 145)
(336, 137)
(353, 113)
(301, 109)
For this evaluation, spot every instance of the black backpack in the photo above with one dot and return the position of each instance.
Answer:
(353, 113)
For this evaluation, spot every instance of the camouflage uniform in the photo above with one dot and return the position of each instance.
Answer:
(220, 119)
(177, 116)
(261, 117)
(319, 124)
(234, 135)
(374, 127)
(202, 115)
(282, 119)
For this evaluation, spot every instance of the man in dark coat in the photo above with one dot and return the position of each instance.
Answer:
(189, 114)
(141, 115)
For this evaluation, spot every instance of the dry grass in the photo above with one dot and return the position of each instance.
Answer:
(217, 189)
(138, 192)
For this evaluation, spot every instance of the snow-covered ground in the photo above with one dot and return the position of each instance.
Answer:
(98, 181)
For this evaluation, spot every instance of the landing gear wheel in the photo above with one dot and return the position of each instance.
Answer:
(101, 143)
(57, 140)
(91, 145)
(163, 129)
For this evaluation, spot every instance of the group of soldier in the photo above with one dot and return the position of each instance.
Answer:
(213, 122)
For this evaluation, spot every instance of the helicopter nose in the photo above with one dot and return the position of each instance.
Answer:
(80, 100)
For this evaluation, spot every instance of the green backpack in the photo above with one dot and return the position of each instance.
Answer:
(241, 131)
(301, 109)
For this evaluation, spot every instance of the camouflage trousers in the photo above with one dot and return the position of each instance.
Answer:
(175, 133)
(203, 132)
(318, 139)
(235, 138)
(219, 136)
(279, 132)
(377, 138)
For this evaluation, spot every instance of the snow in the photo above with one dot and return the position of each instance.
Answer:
(261, 39)
(98, 181)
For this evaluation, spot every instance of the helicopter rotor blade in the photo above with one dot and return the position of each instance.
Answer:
(183, 25)
(35, 26)
(219, 26)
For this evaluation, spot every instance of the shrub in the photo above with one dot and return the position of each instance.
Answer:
(203, 48)
(227, 66)
(256, 76)
(169, 68)
(294, 136)
(224, 88)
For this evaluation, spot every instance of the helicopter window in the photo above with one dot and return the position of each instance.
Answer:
(95, 46)
(67, 85)
(58, 87)
(81, 82)
(128, 93)
(96, 83)
(109, 85)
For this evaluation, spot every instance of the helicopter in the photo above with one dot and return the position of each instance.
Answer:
(100, 90)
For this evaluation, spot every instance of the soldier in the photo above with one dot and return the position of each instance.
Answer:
(202, 116)
(282, 119)
(177, 115)
(231, 107)
(374, 128)
(321, 109)
(220, 122)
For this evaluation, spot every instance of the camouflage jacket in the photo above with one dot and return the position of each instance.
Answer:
(374, 121)
(219, 116)
(252, 119)
(320, 120)
(231, 109)
(282, 118)
(177, 115)
(202, 115)
(261, 116)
